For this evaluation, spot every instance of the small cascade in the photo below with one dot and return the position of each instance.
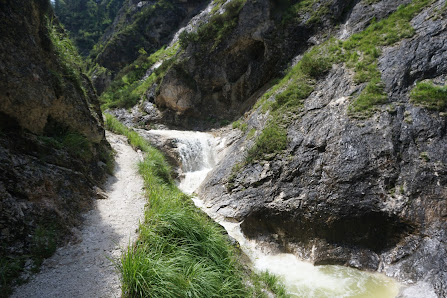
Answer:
(199, 154)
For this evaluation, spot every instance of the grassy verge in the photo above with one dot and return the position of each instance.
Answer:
(180, 251)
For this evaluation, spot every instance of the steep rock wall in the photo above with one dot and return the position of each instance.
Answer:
(141, 24)
(368, 193)
(52, 143)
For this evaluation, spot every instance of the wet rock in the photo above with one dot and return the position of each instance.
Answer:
(349, 191)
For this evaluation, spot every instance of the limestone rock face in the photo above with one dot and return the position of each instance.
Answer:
(32, 90)
(177, 96)
(52, 143)
(225, 76)
(142, 24)
(367, 193)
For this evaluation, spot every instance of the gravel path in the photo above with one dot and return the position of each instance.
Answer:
(85, 269)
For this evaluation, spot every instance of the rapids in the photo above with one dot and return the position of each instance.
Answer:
(199, 153)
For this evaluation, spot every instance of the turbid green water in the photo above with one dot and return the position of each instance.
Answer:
(302, 279)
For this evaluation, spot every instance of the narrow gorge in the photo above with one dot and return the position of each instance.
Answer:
(256, 148)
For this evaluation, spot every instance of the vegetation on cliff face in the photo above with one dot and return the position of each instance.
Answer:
(430, 96)
(360, 53)
(217, 28)
(86, 20)
(131, 84)
(68, 56)
(180, 251)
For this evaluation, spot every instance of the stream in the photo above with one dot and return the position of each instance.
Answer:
(199, 153)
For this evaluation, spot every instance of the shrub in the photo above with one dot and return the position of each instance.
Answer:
(314, 65)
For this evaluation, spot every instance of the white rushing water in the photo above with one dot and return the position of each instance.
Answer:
(199, 154)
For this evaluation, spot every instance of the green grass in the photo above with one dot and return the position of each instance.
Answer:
(128, 86)
(362, 50)
(240, 125)
(272, 140)
(180, 251)
(360, 53)
(74, 142)
(266, 281)
(10, 270)
(429, 96)
(312, 11)
(67, 55)
(44, 242)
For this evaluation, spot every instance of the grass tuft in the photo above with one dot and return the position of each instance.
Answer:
(430, 96)
(272, 140)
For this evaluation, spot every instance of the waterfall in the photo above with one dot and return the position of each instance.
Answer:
(199, 153)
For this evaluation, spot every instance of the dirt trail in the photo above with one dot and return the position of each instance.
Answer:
(84, 269)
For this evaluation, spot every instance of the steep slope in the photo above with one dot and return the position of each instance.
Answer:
(86, 20)
(139, 26)
(52, 144)
(346, 159)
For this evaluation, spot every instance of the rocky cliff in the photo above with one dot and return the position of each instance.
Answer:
(52, 144)
(139, 26)
(362, 178)
(340, 155)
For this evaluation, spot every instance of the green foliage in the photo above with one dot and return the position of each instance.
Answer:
(128, 86)
(240, 125)
(44, 242)
(270, 282)
(234, 172)
(360, 53)
(217, 28)
(132, 27)
(430, 96)
(314, 65)
(180, 251)
(372, 96)
(77, 144)
(272, 140)
(251, 133)
(86, 20)
(74, 142)
(67, 56)
(297, 11)
(10, 270)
